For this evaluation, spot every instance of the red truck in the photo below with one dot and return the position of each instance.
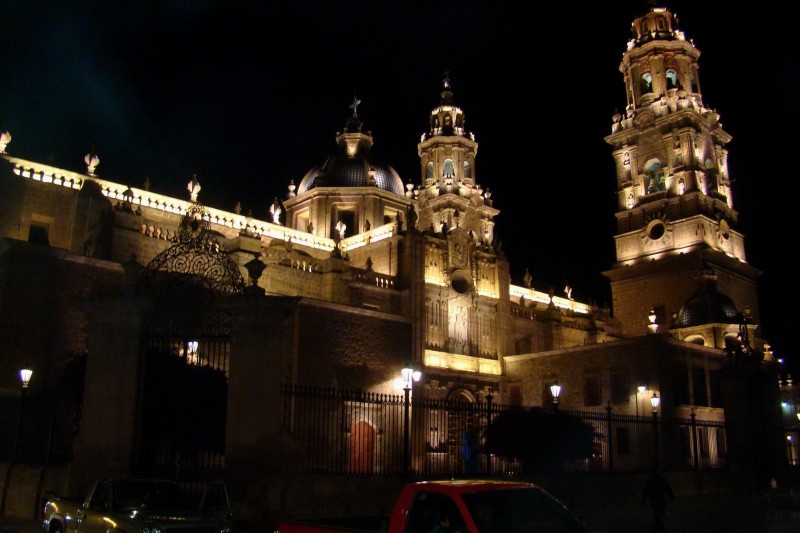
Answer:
(468, 506)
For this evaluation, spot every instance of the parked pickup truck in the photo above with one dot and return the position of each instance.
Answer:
(459, 507)
(138, 506)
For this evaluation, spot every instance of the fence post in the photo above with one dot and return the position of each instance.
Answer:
(694, 440)
(406, 390)
(489, 399)
(610, 437)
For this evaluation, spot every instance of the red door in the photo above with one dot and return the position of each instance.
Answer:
(362, 448)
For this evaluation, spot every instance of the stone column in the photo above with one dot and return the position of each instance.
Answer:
(104, 446)
(262, 354)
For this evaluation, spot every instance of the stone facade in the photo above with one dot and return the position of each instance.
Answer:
(365, 274)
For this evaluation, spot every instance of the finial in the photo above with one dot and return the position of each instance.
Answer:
(275, 210)
(341, 227)
(292, 188)
(652, 326)
(354, 105)
(446, 80)
(5, 138)
(91, 161)
(194, 188)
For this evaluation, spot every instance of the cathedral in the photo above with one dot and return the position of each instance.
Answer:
(356, 274)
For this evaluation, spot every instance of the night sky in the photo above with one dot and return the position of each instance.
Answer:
(250, 97)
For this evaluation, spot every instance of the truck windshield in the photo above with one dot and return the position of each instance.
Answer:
(520, 511)
(150, 495)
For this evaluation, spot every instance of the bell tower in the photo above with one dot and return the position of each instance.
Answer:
(466, 279)
(675, 213)
(449, 195)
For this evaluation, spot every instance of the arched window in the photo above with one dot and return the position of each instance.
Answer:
(467, 170)
(654, 176)
(448, 171)
(429, 171)
(647, 83)
(672, 79)
(696, 339)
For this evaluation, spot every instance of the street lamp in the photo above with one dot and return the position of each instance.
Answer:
(555, 391)
(409, 376)
(655, 401)
(25, 375)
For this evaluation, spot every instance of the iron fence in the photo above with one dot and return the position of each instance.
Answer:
(355, 432)
(36, 429)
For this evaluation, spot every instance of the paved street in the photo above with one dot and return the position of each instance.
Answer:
(690, 513)
(13, 525)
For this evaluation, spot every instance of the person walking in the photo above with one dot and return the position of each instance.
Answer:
(656, 491)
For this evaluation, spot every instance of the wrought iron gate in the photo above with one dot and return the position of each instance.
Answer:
(183, 382)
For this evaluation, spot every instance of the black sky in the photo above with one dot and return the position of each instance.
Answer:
(251, 97)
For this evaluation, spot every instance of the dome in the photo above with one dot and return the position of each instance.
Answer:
(351, 166)
(707, 306)
(343, 171)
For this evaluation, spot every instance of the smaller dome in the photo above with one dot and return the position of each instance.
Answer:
(339, 171)
(352, 166)
(707, 306)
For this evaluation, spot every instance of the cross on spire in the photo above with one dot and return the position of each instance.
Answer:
(354, 106)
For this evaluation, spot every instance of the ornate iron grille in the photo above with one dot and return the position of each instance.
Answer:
(196, 259)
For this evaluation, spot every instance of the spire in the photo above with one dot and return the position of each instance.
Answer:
(447, 91)
(447, 119)
(354, 140)
(354, 105)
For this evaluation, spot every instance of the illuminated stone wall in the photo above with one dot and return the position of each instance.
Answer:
(343, 347)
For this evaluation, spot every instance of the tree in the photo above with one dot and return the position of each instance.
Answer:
(543, 441)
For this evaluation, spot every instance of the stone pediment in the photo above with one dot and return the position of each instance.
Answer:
(644, 119)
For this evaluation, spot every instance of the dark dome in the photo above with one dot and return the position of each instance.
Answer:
(351, 166)
(707, 306)
(343, 171)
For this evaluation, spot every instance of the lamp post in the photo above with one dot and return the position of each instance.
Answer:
(25, 375)
(655, 401)
(408, 375)
(555, 390)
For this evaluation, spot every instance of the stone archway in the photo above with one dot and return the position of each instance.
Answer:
(183, 379)
(462, 432)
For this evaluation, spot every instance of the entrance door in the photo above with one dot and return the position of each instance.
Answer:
(362, 448)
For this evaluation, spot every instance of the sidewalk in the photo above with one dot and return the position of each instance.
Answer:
(19, 525)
